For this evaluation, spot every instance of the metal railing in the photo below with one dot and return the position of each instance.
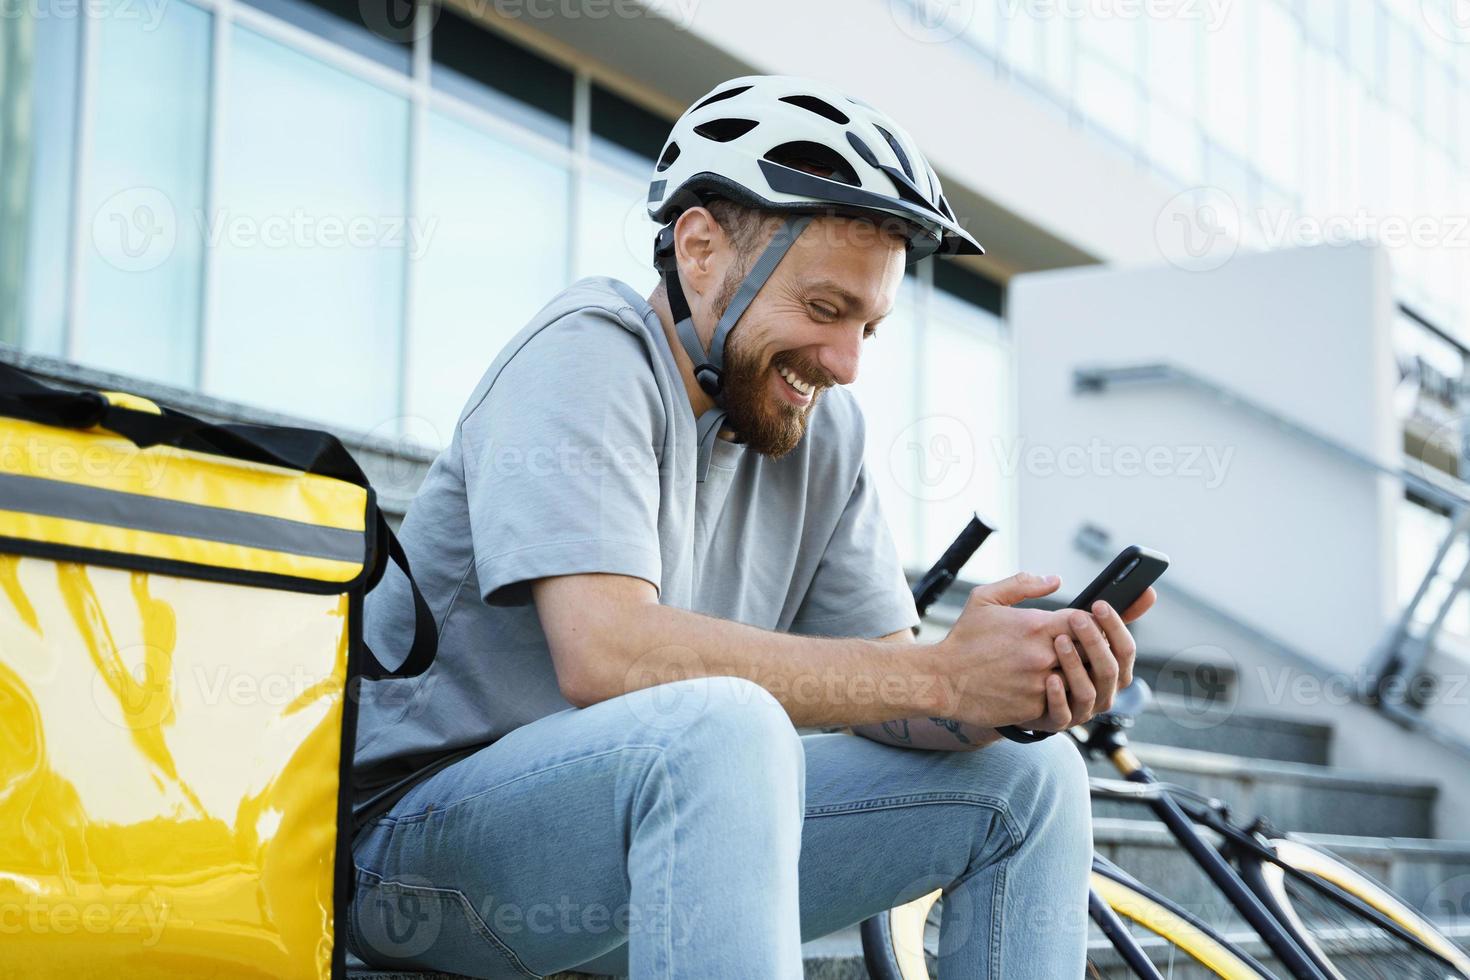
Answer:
(1401, 654)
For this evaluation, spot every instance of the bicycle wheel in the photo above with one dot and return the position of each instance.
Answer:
(902, 944)
(1352, 944)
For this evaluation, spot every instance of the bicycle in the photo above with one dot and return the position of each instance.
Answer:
(1320, 918)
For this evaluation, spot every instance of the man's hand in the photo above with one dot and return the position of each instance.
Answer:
(1038, 669)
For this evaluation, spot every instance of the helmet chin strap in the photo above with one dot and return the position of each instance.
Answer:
(709, 366)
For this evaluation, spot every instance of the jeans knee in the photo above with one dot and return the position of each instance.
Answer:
(1058, 775)
(741, 735)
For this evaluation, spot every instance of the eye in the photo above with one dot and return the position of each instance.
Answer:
(869, 332)
(823, 311)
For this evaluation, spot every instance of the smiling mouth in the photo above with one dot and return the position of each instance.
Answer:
(795, 383)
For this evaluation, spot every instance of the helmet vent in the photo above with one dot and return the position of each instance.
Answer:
(944, 206)
(813, 104)
(725, 130)
(815, 159)
(863, 150)
(667, 160)
(903, 160)
(729, 93)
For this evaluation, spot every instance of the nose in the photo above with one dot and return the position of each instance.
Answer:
(839, 358)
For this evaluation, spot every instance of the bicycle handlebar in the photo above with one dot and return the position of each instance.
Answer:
(933, 583)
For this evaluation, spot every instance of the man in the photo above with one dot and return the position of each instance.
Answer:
(652, 550)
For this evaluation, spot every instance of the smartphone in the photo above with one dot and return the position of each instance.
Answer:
(1125, 579)
(1120, 585)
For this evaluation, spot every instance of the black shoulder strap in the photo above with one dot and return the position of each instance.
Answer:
(307, 450)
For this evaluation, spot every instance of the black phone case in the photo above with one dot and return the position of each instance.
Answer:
(1119, 585)
(1125, 579)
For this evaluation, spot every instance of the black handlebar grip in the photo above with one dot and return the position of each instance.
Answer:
(933, 583)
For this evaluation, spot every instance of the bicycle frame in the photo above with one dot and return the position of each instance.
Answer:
(1110, 741)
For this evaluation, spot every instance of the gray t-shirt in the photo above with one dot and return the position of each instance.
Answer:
(576, 453)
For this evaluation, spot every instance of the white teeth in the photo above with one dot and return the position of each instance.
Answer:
(802, 386)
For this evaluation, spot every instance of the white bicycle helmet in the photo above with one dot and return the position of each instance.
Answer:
(798, 146)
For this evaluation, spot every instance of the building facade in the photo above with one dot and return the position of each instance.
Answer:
(339, 211)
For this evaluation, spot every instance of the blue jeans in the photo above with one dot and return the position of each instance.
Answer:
(687, 830)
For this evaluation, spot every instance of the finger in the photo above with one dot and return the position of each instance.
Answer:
(1079, 686)
(1120, 641)
(1009, 591)
(1058, 711)
(1104, 668)
(1141, 605)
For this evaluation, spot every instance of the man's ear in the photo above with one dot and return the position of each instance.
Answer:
(698, 242)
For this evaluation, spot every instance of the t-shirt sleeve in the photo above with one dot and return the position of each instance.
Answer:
(561, 460)
(859, 588)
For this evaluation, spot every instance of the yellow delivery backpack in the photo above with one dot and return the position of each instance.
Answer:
(180, 655)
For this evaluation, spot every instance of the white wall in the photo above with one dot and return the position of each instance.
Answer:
(1273, 529)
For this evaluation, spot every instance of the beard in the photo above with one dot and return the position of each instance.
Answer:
(770, 427)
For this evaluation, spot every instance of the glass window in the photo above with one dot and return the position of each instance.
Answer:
(35, 217)
(378, 29)
(1059, 49)
(1109, 98)
(1022, 33)
(492, 260)
(1173, 61)
(1362, 42)
(1402, 60)
(887, 390)
(971, 287)
(1278, 82)
(1174, 144)
(624, 133)
(1227, 92)
(143, 250)
(310, 239)
(615, 236)
(502, 77)
(1114, 38)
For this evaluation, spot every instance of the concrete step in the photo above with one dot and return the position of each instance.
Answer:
(1294, 796)
(1218, 727)
(1432, 876)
